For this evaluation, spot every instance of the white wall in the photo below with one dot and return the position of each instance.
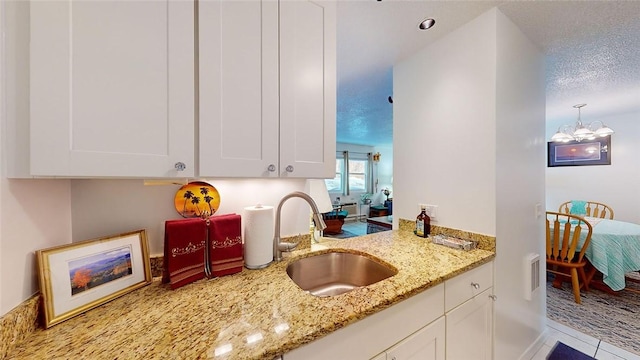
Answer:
(520, 154)
(34, 214)
(384, 171)
(615, 185)
(456, 104)
(444, 130)
(105, 207)
(2, 120)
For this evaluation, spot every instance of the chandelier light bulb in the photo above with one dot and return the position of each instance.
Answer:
(579, 131)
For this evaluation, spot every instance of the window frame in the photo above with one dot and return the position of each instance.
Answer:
(343, 172)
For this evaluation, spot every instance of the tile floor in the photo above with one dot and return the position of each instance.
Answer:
(579, 341)
(556, 332)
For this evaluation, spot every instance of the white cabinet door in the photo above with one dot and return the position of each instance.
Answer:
(238, 99)
(112, 88)
(470, 329)
(307, 89)
(267, 91)
(427, 343)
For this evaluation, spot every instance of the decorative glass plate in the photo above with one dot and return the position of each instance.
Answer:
(454, 242)
(196, 198)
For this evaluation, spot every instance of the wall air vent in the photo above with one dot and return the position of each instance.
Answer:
(531, 275)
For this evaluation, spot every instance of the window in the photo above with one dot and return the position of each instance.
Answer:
(357, 173)
(335, 185)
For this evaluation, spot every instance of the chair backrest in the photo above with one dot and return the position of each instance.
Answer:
(594, 209)
(563, 237)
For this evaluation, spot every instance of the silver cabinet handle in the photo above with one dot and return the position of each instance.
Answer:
(493, 297)
(180, 166)
(475, 285)
(271, 168)
(289, 168)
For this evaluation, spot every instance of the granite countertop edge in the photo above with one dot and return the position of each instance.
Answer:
(255, 314)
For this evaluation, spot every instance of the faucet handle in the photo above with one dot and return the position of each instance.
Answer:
(287, 246)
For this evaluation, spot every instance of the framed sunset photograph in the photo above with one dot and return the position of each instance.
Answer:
(80, 276)
(579, 153)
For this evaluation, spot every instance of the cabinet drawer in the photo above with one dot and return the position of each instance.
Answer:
(467, 285)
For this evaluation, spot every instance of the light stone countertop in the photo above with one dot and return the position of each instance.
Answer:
(255, 314)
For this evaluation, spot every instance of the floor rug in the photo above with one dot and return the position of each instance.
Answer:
(343, 235)
(566, 352)
(612, 318)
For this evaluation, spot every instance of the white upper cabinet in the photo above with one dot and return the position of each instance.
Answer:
(112, 88)
(120, 89)
(267, 82)
(308, 88)
(238, 77)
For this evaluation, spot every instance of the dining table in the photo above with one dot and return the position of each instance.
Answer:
(614, 250)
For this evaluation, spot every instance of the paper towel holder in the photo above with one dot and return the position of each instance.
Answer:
(258, 248)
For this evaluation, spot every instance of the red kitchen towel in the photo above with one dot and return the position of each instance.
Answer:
(225, 237)
(184, 243)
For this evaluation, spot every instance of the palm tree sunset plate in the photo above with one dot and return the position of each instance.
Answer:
(195, 198)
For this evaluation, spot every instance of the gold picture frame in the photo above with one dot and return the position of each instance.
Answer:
(83, 275)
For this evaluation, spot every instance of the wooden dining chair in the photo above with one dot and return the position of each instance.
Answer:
(564, 258)
(592, 208)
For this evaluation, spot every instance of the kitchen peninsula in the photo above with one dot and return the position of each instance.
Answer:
(255, 314)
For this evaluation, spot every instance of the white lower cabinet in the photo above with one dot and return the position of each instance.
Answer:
(470, 330)
(427, 343)
(381, 331)
(469, 314)
(453, 320)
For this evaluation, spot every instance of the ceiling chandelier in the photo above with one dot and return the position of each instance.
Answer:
(579, 131)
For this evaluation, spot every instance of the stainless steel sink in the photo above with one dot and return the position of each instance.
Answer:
(336, 273)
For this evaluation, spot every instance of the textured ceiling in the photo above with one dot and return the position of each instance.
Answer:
(592, 55)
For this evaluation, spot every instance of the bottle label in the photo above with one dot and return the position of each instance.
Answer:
(420, 228)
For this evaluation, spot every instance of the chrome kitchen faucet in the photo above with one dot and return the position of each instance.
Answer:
(278, 246)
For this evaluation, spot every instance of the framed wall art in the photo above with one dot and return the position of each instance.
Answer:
(80, 276)
(585, 152)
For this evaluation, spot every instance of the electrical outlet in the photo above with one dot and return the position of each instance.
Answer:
(431, 210)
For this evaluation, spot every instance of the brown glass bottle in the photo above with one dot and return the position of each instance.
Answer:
(423, 223)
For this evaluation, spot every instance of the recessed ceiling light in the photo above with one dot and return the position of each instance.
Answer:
(426, 24)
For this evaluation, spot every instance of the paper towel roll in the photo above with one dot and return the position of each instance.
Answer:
(258, 236)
